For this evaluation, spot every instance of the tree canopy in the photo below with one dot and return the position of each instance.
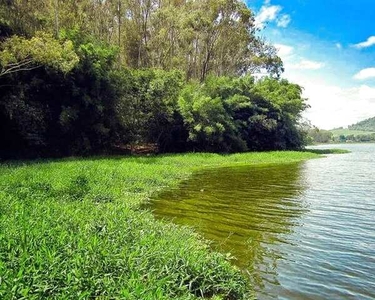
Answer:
(196, 37)
(91, 76)
(20, 54)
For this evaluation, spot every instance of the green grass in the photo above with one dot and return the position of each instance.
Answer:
(74, 229)
(338, 132)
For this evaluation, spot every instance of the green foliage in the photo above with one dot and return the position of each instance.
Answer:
(147, 106)
(62, 114)
(198, 38)
(235, 114)
(206, 120)
(353, 136)
(287, 96)
(180, 92)
(319, 135)
(20, 54)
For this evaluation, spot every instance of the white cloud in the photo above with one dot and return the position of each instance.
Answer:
(283, 21)
(305, 64)
(266, 14)
(365, 74)
(333, 106)
(293, 61)
(367, 93)
(284, 50)
(368, 43)
(326, 74)
(270, 13)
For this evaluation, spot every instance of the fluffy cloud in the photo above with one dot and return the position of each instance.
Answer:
(266, 14)
(295, 62)
(270, 13)
(368, 43)
(284, 50)
(333, 106)
(305, 64)
(338, 46)
(365, 74)
(367, 93)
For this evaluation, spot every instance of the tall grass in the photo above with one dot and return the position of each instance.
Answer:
(73, 229)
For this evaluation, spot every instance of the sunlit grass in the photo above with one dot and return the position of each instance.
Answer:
(73, 229)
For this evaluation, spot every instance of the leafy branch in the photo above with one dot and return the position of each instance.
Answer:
(20, 54)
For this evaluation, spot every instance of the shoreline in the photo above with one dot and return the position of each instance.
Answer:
(87, 214)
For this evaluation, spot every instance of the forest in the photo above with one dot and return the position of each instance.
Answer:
(95, 77)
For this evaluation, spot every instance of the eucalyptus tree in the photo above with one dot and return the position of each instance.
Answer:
(25, 17)
(201, 38)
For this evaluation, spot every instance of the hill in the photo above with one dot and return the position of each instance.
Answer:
(365, 125)
(341, 131)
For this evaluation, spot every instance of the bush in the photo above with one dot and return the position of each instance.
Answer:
(236, 114)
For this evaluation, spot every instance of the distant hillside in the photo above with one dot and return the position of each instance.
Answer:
(340, 131)
(361, 132)
(365, 125)
(342, 135)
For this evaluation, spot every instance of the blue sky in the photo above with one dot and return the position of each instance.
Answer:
(328, 47)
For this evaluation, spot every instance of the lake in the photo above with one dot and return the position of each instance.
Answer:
(300, 231)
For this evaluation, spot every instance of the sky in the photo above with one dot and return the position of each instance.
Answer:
(328, 47)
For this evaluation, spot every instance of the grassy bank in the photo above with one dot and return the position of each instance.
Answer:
(73, 229)
(328, 151)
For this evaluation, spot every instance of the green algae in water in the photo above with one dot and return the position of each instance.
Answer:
(243, 210)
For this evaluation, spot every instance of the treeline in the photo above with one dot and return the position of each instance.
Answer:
(84, 77)
(354, 138)
(319, 136)
(199, 38)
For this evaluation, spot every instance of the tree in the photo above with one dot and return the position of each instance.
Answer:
(114, 73)
(147, 105)
(319, 135)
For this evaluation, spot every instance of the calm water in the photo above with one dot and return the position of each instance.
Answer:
(301, 231)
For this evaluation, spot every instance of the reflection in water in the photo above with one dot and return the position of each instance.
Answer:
(244, 210)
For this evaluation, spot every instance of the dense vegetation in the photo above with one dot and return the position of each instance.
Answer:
(85, 77)
(316, 135)
(73, 229)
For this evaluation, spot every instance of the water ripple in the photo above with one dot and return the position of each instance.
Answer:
(301, 231)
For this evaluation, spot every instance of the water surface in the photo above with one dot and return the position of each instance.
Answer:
(301, 231)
